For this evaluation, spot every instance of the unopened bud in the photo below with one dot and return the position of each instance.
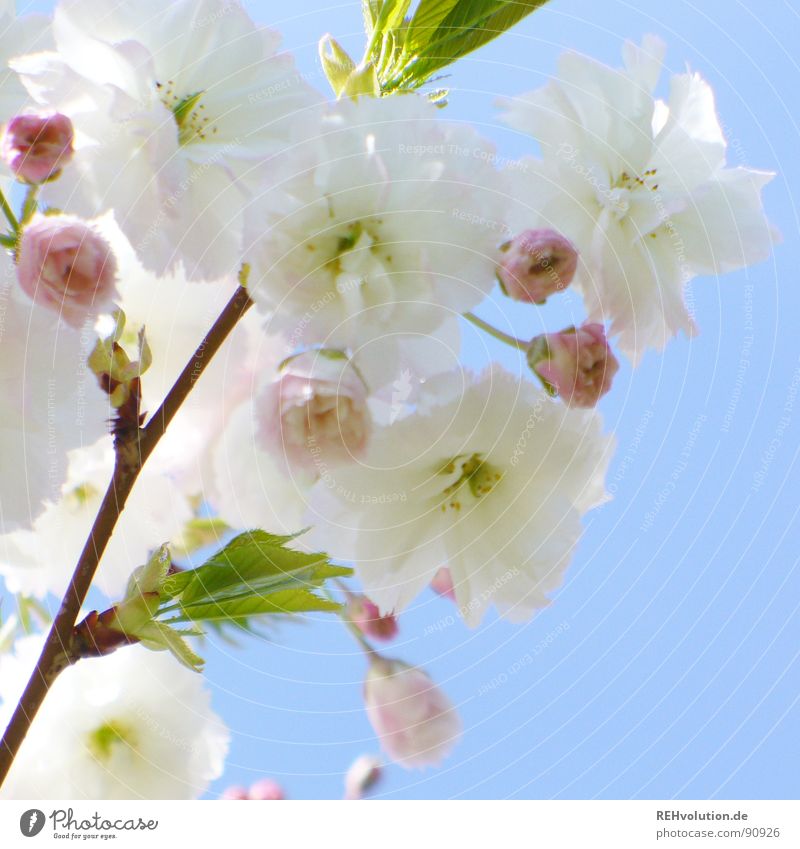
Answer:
(577, 363)
(67, 266)
(536, 264)
(367, 617)
(315, 414)
(415, 721)
(37, 147)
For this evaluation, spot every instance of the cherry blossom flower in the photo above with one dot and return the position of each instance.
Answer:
(492, 480)
(172, 104)
(50, 403)
(640, 186)
(135, 724)
(387, 221)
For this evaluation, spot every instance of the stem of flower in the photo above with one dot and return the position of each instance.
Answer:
(519, 344)
(30, 205)
(354, 630)
(9, 213)
(362, 641)
(131, 454)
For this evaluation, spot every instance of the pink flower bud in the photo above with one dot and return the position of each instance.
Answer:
(267, 790)
(363, 775)
(367, 617)
(315, 414)
(235, 793)
(576, 363)
(415, 721)
(442, 583)
(37, 147)
(67, 266)
(536, 264)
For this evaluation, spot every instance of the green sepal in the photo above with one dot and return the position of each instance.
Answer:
(336, 63)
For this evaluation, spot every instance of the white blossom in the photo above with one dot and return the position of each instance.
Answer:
(172, 103)
(490, 479)
(132, 725)
(18, 35)
(386, 222)
(251, 487)
(177, 314)
(640, 186)
(49, 401)
(41, 560)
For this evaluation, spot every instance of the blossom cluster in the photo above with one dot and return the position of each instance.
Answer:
(156, 150)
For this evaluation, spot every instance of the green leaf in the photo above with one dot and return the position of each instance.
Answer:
(470, 25)
(391, 16)
(148, 578)
(297, 600)
(371, 9)
(160, 637)
(336, 63)
(465, 26)
(427, 18)
(254, 573)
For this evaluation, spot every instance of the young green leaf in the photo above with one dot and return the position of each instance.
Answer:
(254, 573)
(336, 63)
(371, 9)
(466, 26)
(469, 25)
(233, 609)
(426, 20)
(391, 16)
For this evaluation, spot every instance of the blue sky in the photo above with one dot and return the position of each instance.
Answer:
(667, 665)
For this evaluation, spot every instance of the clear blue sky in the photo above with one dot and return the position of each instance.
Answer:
(667, 665)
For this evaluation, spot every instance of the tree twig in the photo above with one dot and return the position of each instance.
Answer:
(131, 454)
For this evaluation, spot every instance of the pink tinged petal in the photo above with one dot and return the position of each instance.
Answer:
(536, 264)
(442, 583)
(65, 265)
(415, 721)
(315, 415)
(267, 790)
(235, 792)
(37, 147)
(366, 616)
(576, 363)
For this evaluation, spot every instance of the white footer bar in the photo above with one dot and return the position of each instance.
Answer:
(405, 825)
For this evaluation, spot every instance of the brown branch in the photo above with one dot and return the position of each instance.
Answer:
(131, 454)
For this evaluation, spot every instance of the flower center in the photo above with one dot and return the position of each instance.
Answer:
(81, 494)
(474, 475)
(619, 196)
(355, 251)
(189, 113)
(103, 740)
